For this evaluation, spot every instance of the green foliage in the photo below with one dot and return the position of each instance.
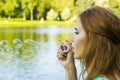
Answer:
(1, 5)
(59, 5)
(84, 4)
(65, 14)
(72, 19)
(43, 7)
(115, 6)
(36, 9)
(24, 6)
(51, 15)
(32, 4)
(12, 19)
(34, 23)
(9, 7)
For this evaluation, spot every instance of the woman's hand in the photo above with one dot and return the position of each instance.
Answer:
(66, 59)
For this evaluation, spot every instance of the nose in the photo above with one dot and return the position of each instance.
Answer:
(72, 38)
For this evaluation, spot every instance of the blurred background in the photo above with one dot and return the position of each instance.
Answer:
(30, 34)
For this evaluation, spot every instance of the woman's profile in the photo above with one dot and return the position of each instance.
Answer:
(96, 43)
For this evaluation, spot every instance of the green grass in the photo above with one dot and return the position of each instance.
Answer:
(28, 23)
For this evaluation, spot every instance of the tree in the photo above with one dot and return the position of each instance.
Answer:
(59, 5)
(115, 6)
(9, 7)
(1, 7)
(84, 4)
(24, 6)
(51, 15)
(43, 7)
(31, 6)
(65, 14)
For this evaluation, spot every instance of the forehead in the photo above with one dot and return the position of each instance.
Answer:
(79, 26)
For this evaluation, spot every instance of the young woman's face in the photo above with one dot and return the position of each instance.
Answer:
(78, 40)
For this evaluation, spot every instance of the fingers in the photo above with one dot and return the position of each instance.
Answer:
(61, 55)
(70, 53)
(69, 44)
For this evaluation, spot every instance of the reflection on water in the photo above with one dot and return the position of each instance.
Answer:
(30, 53)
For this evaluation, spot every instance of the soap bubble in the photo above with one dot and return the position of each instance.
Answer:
(30, 43)
(17, 43)
(1, 50)
(4, 43)
(8, 49)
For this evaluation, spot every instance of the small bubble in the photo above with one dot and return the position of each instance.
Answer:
(30, 43)
(17, 43)
(1, 50)
(4, 42)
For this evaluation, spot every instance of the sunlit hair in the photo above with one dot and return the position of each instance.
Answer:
(102, 50)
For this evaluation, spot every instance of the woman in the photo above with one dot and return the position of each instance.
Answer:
(96, 44)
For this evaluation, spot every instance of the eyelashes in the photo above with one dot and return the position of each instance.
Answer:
(76, 33)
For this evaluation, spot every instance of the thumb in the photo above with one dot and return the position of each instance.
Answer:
(70, 53)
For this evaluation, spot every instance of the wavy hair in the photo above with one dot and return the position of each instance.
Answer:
(102, 49)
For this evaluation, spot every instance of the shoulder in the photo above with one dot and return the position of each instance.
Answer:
(100, 78)
(118, 78)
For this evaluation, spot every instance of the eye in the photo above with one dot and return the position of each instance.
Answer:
(76, 32)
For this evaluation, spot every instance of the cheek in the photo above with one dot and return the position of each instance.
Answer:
(79, 47)
(78, 51)
(79, 42)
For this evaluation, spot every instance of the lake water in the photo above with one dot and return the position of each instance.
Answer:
(30, 53)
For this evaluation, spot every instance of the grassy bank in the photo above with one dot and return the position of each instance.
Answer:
(26, 23)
